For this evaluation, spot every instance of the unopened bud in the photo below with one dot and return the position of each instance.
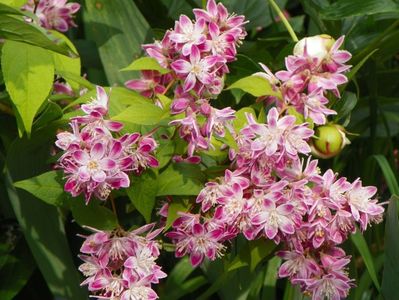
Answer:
(329, 141)
(315, 46)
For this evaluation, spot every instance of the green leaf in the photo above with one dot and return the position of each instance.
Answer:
(117, 96)
(241, 119)
(16, 271)
(15, 28)
(216, 285)
(364, 284)
(180, 179)
(360, 64)
(179, 273)
(298, 116)
(186, 288)
(166, 101)
(177, 286)
(256, 11)
(67, 64)
(165, 151)
(93, 214)
(41, 224)
(361, 245)
(50, 113)
(344, 107)
(142, 193)
(255, 85)
(7, 7)
(388, 174)
(46, 187)
(271, 277)
(118, 28)
(28, 74)
(344, 8)
(73, 78)
(259, 249)
(390, 277)
(292, 292)
(146, 63)
(141, 112)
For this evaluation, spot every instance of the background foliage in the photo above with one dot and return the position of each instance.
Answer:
(38, 244)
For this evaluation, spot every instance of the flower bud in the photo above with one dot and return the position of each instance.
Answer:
(315, 46)
(330, 140)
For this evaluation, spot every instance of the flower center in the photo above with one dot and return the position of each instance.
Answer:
(196, 69)
(92, 165)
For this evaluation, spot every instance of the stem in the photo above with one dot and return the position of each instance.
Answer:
(113, 206)
(152, 131)
(284, 20)
(168, 86)
(36, 4)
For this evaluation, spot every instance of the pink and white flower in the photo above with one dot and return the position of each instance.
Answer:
(196, 68)
(54, 14)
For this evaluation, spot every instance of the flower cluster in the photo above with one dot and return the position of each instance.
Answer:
(315, 68)
(53, 14)
(94, 161)
(121, 265)
(196, 53)
(275, 194)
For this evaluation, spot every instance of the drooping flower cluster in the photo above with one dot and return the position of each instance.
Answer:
(121, 265)
(53, 14)
(196, 53)
(94, 161)
(275, 194)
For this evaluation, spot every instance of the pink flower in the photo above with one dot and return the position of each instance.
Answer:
(218, 14)
(361, 206)
(217, 121)
(189, 131)
(148, 85)
(196, 239)
(297, 265)
(313, 107)
(336, 59)
(143, 265)
(270, 136)
(139, 291)
(334, 284)
(66, 139)
(140, 151)
(209, 195)
(223, 43)
(294, 140)
(274, 218)
(94, 164)
(188, 34)
(98, 104)
(122, 265)
(54, 14)
(196, 69)
(231, 203)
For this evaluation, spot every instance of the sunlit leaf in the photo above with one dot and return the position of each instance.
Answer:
(28, 74)
(255, 85)
(46, 187)
(146, 63)
(142, 193)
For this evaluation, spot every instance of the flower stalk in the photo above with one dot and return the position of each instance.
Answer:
(284, 20)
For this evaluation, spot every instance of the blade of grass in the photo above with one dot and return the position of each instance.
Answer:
(361, 245)
(389, 175)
